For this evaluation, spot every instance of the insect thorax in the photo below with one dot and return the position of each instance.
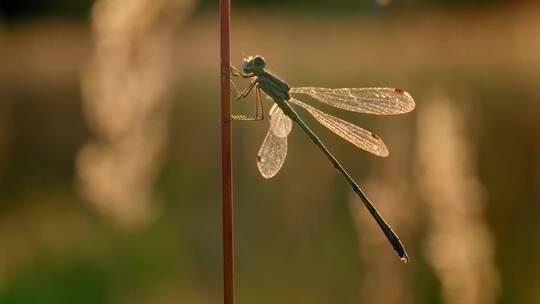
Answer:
(273, 86)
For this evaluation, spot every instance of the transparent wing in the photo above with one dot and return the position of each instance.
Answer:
(380, 101)
(273, 150)
(280, 124)
(359, 137)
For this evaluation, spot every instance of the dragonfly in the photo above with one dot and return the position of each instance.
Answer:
(273, 151)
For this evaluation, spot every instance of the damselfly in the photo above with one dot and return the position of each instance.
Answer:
(271, 156)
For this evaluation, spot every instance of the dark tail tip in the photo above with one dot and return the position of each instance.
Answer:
(398, 247)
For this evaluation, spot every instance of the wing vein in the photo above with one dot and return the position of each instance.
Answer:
(273, 151)
(380, 101)
(361, 138)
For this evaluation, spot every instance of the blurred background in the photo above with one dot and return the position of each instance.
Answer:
(110, 165)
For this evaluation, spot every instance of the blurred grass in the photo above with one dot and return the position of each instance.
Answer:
(296, 240)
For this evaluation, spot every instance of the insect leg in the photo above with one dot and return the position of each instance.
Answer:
(259, 114)
(247, 90)
(236, 73)
(236, 90)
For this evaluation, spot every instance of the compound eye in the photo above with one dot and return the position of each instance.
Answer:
(259, 61)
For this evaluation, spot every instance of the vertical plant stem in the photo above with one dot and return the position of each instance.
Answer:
(226, 157)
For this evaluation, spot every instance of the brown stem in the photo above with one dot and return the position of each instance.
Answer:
(226, 154)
